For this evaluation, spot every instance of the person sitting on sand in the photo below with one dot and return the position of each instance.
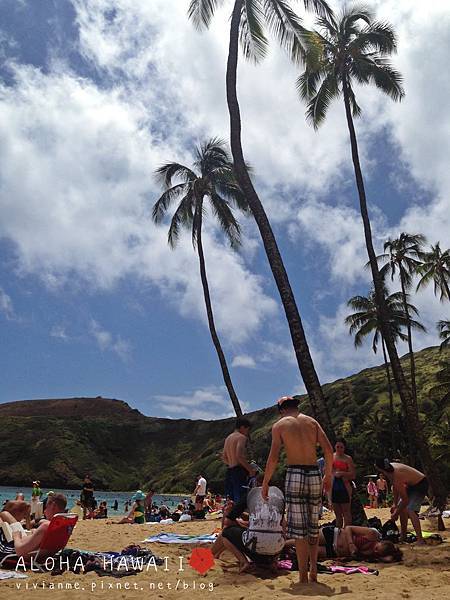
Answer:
(175, 516)
(364, 543)
(410, 487)
(23, 545)
(20, 510)
(102, 511)
(261, 538)
(137, 512)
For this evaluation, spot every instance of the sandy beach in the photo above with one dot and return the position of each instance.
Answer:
(424, 572)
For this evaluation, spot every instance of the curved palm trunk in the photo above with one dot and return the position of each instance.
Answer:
(412, 360)
(415, 429)
(391, 396)
(212, 328)
(304, 360)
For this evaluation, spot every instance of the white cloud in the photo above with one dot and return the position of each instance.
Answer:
(243, 360)
(107, 341)
(59, 332)
(6, 305)
(207, 403)
(79, 212)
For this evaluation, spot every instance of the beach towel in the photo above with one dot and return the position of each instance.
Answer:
(12, 575)
(175, 538)
(288, 565)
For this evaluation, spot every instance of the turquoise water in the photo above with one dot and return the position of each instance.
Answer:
(9, 493)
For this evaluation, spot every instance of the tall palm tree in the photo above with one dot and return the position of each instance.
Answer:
(212, 178)
(436, 267)
(365, 320)
(247, 26)
(356, 47)
(403, 256)
(444, 333)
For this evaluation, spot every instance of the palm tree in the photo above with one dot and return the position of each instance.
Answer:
(366, 320)
(436, 267)
(247, 26)
(212, 179)
(444, 333)
(356, 48)
(403, 255)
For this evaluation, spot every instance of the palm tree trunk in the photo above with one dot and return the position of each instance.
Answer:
(302, 353)
(415, 429)
(391, 397)
(410, 346)
(212, 328)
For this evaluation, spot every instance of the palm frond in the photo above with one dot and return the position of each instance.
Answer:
(253, 41)
(317, 107)
(287, 27)
(227, 221)
(202, 11)
(356, 109)
(165, 173)
(377, 37)
(182, 217)
(386, 79)
(162, 205)
(320, 7)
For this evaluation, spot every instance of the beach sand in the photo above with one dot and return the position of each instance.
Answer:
(424, 573)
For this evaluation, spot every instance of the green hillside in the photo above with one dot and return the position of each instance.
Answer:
(58, 441)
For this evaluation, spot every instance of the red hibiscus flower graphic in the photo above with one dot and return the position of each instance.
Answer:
(201, 560)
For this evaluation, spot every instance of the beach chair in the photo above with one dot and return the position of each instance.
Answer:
(55, 540)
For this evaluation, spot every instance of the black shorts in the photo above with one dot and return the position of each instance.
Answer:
(234, 535)
(199, 499)
(328, 534)
(339, 493)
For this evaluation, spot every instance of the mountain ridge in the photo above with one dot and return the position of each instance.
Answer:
(58, 440)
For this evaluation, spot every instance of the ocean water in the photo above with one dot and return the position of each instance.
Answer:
(9, 493)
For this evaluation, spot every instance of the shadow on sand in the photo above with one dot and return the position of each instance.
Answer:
(315, 590)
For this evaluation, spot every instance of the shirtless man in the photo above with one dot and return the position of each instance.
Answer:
(234, 455)
(300, 434)
(24, 545)
(410, 487)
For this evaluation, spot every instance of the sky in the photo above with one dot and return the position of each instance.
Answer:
(94, 96)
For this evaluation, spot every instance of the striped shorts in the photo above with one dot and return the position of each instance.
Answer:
(303, 495)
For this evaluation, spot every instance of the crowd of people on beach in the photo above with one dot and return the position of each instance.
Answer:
(260, 523)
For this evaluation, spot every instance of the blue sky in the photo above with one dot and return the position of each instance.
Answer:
(94, 95)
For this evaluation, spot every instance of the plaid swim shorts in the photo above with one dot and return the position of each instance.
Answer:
(303, 495)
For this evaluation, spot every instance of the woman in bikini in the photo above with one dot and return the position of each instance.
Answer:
(363, 543)
(341, 491)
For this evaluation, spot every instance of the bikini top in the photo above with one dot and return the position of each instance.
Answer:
(340, 465)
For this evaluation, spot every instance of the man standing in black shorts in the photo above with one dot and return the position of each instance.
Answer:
(300, 434)
(234, 455)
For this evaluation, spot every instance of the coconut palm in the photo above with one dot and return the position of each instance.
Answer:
(354, 48)
(248, 20)
(365, 320)
(444, 333)
(211, 178)
(402, 256)
(436, 268)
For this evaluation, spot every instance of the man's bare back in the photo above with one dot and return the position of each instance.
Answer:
(300, 436)
(234, 449)
(405, 475)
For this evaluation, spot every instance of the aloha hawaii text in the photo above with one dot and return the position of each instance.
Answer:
(125, 563)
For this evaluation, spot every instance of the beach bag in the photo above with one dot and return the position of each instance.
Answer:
(390, 531)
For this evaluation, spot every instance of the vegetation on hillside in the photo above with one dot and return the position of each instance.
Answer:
(124, 450)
